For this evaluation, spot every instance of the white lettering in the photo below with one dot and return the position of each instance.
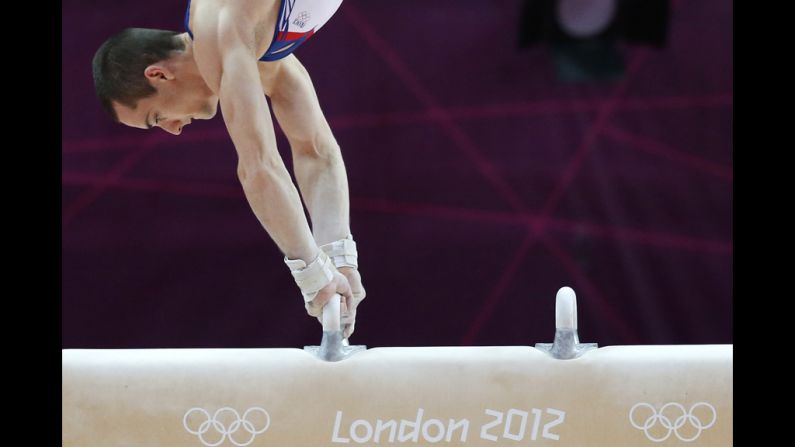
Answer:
(484, 430)
(415, 434)
(561, 415)
(363, 431)
(336, 436)
(507, 433)
(453, 425)
(440, 431)
(367, 428)
(380, 426)
(536, 421)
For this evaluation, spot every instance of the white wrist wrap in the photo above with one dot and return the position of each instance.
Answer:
(313, 277)
(342, 252)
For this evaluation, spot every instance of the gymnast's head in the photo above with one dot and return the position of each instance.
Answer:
(147, 78)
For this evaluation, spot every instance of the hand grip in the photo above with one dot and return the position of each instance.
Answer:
(566, 309)
(331, 314)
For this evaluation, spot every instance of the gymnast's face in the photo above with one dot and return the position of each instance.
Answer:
(180, 98)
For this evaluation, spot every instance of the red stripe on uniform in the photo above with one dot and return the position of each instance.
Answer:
(288, 36)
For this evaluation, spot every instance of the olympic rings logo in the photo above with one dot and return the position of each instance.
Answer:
(217, 425)
(687, 417)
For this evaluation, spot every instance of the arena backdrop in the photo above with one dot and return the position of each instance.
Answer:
(480, 183)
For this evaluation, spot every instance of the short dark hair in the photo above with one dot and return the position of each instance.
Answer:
(119, 65)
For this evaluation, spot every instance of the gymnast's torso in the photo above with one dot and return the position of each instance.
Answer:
(280, 26)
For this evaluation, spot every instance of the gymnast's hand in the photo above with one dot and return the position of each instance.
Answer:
(358, 292)
(339, 284)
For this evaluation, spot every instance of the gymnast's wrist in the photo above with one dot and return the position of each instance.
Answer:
(313, 276)
(342, 252)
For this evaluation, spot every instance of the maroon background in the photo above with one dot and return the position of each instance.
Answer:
(458, 146)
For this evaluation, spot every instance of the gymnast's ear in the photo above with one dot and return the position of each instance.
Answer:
(158, 72)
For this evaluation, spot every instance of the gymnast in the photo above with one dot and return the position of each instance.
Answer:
(236, 52)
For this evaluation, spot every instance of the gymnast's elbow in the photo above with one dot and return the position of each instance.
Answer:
(260, 173)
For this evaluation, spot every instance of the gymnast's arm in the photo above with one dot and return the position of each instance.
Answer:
(317, 159)
(226, 59)
(318, 165)
(267, 184)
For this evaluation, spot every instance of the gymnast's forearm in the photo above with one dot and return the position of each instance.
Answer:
(273, 198)
(266, 182)
(323, 182)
